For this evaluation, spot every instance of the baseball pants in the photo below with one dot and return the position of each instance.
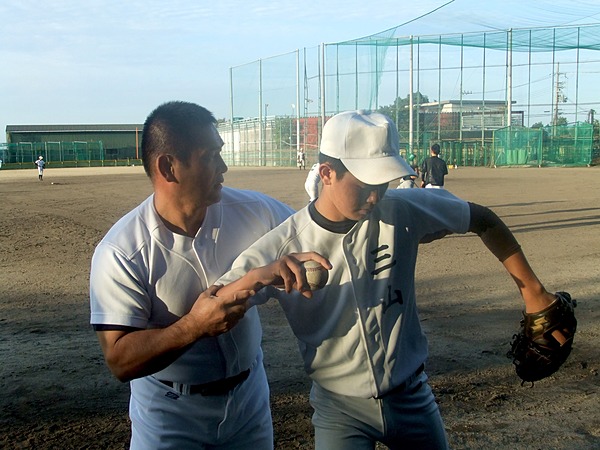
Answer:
(162, 418)
(406, 420)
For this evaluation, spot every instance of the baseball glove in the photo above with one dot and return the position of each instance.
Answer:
(536, 354)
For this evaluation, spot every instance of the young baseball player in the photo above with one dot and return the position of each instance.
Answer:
(193, 360)
(360, 335)
(433, 169)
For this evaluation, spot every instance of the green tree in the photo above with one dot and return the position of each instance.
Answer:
(399, 110)
(561, 120)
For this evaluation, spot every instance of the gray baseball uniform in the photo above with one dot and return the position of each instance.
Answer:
(360, 335)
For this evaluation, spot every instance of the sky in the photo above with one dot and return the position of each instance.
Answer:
(114, 61)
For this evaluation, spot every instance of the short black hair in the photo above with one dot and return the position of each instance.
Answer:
(435, 148)
(174, 127)
(336, 164)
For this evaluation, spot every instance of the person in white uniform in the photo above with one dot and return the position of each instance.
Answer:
(40, 163)
(311, 184)
(193, 360)
(360, 335)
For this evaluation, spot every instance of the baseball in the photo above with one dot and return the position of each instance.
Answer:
(316, 275)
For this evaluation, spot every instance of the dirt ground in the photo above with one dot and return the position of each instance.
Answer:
(58, 393)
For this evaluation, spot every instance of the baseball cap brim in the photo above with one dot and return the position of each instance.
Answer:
(376, 171)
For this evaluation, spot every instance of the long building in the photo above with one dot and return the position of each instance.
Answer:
(116, 141)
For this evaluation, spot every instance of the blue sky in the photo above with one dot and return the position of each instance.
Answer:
(110, 61)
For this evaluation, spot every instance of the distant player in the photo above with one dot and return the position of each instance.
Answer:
(408, 182)
(40, 163)
(434, 169)
(311, 184)
(413, 162)
(301, 159)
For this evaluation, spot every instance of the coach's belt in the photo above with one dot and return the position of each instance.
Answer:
(402, 386)
(219, 387)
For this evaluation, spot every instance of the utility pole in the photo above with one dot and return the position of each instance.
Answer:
(559, 96)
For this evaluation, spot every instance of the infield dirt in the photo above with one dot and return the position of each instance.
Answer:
(56, 392)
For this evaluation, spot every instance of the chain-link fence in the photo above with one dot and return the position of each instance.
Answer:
(454, 89)
(65, 154)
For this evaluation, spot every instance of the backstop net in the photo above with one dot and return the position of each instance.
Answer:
(458, 90)
(566, 145)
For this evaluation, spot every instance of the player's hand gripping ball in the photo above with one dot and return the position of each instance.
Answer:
(316, 275)
(536, 354)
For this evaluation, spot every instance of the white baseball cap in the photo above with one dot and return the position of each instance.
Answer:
(367, 144)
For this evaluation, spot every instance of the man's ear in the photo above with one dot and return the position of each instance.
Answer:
(326, 173)
(166, 170)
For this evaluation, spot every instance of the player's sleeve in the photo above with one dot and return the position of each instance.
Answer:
(117, 296)
(493, 232)
(436, 213)
(264, 251)
(274, 211)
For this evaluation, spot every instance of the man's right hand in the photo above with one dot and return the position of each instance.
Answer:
(134, 353)
(215, 315)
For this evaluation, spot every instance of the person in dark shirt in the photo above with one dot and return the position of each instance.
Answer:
(433, 169)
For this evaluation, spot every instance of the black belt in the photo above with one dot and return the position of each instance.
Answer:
(402, 386)
(219, 387)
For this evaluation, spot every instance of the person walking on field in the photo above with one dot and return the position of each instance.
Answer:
(360, 335)
(193, 359)
(433, 169)
(40, 163)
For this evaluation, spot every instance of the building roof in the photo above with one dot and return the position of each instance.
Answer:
(467, 102)
(107, 128)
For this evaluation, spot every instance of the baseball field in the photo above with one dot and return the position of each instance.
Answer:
(56, 392)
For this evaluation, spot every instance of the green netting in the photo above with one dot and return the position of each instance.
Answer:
(566, 145)
(53, 151)
(454, 89)
(520, 40)
(64, 154)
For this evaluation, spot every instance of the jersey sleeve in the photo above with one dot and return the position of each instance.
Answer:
(435, 213)
(264, 251)
(249, 259)
(117, 296)
(275, 212)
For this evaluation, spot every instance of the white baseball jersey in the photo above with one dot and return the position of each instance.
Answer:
(360, 335)
(311, 184)
(145, 276)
